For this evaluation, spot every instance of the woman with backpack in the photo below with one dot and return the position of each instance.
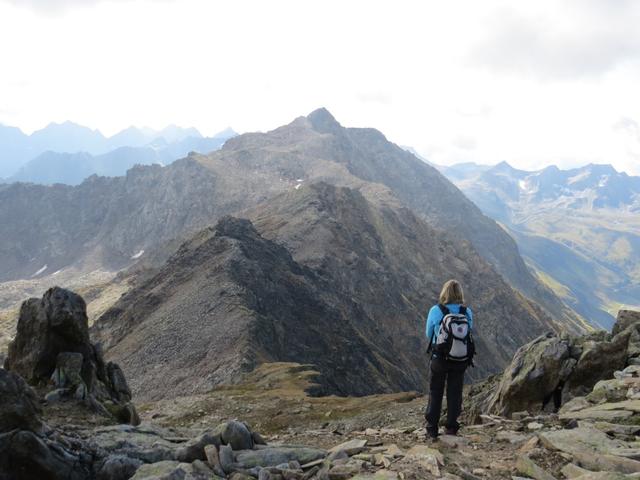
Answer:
(449, 325)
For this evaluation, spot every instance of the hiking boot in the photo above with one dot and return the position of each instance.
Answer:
(451, 431)
(431, 434)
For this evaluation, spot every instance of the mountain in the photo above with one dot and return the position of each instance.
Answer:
(319, 275)
(578, 228)
(69, 139)
(104, 222)
(73, 168)
(131, 137)
(14, 151)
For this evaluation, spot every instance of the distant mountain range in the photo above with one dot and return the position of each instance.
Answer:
(578, 228)
(68, 153)
(348, 241)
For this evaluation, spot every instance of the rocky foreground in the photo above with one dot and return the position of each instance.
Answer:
(76, 419)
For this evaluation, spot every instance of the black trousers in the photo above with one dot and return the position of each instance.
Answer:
(451, 374)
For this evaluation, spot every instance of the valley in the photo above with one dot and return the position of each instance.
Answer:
(578, 229)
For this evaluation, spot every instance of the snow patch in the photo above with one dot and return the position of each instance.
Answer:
(298, 186)
(137, 255)
(56, 272)
(604, 179)
(39, 271)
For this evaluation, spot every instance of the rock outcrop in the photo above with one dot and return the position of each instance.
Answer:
(26, 449)
(52, 347)
(19, 405)
(551, 370)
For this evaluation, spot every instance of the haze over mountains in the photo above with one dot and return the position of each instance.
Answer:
(366, 249)
(68, 153)
(579, 228)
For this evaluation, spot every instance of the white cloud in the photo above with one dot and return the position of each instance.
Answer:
(55, 7)
(402, 67)
(572, 40)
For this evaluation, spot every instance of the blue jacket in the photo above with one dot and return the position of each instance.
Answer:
(435, 317)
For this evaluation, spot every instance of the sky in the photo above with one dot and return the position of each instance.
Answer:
(530, 83)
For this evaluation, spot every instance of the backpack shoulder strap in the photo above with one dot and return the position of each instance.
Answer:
(443, 309)
(463, 310)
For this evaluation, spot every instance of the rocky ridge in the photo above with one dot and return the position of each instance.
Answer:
(318, 276)
(111, 223)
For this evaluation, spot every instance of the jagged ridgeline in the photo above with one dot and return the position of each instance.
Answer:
(338, 273)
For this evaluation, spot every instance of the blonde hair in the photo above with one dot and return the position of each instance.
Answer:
(451, 293)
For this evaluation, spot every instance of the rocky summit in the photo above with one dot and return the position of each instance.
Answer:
(320, 276)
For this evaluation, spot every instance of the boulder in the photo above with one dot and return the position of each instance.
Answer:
(624, 320)
(118, 382)
(118, 467)
(19, 406)
(146, 443)
(195, 449)
(238, 435)
(68, 371)
(46, 327)
(536, 371)
(591, 449)
(599, 360)
(273, 456)
(351, 447)
(526, 466)
(27, 456)
(52, 345)
(172, 470)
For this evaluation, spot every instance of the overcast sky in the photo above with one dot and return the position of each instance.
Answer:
(532, 83)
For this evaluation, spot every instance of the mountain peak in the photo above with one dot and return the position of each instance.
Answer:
(322, 121)
(601, 168)
(226, 133)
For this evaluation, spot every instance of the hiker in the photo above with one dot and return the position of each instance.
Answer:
(449, 325)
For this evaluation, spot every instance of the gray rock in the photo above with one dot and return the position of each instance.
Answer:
(57, 395)
(598, 361)
(46, 327)
(194, 449)
(52, 343)
(172, 470)
(258, 439)
(226, 458)
(19, 405)
(146, 443)
(30, 457)
(118, 467)
(351, 447)
(118, 382)
(272, 456)
(590, 448)
(534, 373)
(167, 470)
(526, 466)
(237, 435)
(68, 370)
(624, 320)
